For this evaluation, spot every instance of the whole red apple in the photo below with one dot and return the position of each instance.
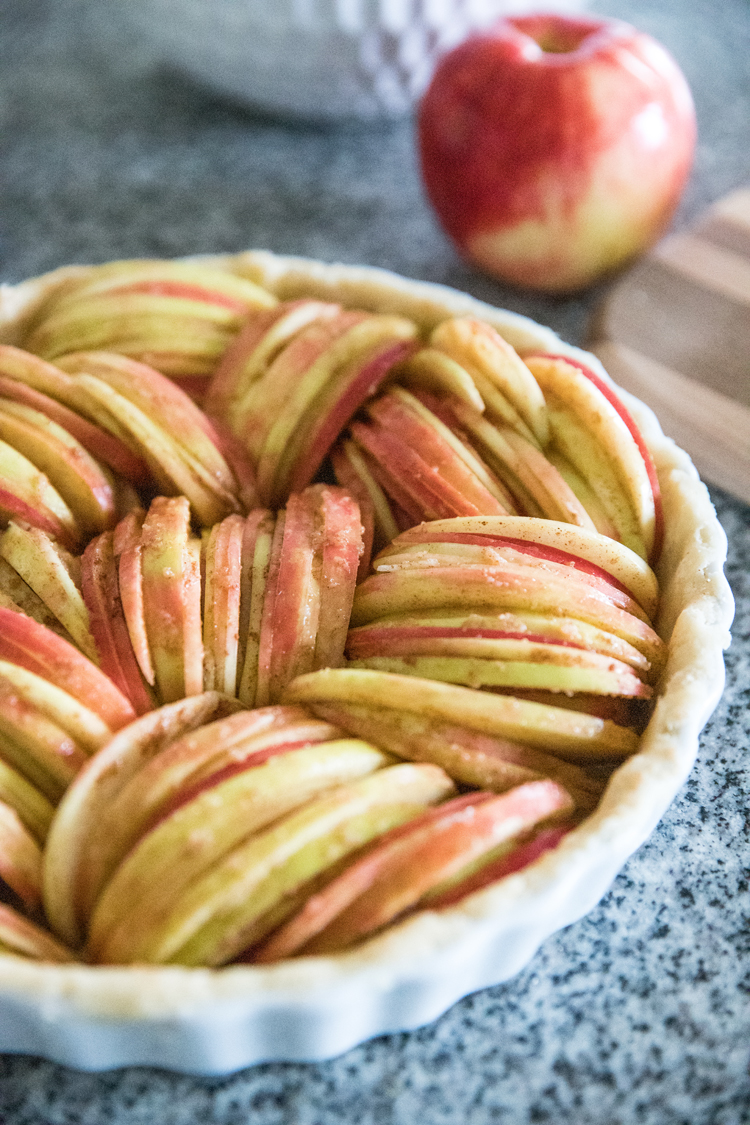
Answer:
(555, 149)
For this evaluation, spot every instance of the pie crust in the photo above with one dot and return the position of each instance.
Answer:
(216, 1021)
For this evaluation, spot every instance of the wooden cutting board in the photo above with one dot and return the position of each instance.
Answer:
(675, 331)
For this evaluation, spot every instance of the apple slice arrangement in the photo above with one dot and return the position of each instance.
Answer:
(224, 734)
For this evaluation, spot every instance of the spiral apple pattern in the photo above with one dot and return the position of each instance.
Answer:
(237, 697)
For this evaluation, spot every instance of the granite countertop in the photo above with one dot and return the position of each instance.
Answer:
(641, 1011)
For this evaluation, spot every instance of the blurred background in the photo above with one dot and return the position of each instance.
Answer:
(116, 141)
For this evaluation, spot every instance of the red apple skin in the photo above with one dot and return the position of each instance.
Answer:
(555, 149)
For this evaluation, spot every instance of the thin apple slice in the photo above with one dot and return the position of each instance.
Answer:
(223, 912)
(257, 544)
(342, 547)
(505, 635)
(295, 610)
(35, 557)
(405, 509)
(468, 756)
(163, 402)
(80, 480)
(482, 351)
(101, 594)
(400, 870)
(424, 431)
(161, 872)
(26, 493)
(221, 613)
(256, 346)
(96, 786)
(552, 729)
(37, 747)
(330, 412)
(32, 646)
(616, 561)
(34, 810)
(269, 563)
(430, 369)
(16, 594)
(84, 726)
(171, 593)
(339, 364)
(20, 858)
(583, 492)
(191, 765)
(593, 674)
(23, 938)
(612, 427)
(468, 589)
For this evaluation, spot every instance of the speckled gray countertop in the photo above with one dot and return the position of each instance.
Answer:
(641, 1011)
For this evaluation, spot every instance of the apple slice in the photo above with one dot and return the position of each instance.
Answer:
(23, 938)
(35, 746)
(34, 810)
(597, 414)
(257, 544)
(16, 594)
(37, 559)
(341, 549)
(583, 492)
(221, 614)
(336, 366)
(39, 650)
(552, 729)
(572, 545)
(262, 617)
(430, 369)
(96, 786)
(405, 509)
(590, 673)
(256, 346)
(101, 594)
(400, 870)
(467, 756)
(223, 912)
(84, 726)
(482, 351)
(26, 493)
(171, 598)
(20, 858)
(491, 589)
(163, 870)
(80, 480)
(614, 399)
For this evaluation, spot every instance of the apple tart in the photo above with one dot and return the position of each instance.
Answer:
(352, 635)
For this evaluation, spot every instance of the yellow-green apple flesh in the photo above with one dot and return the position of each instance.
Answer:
(84, 726)
(313, 393)
(27, 494)
(583, 390)
(20, 858)
(221, 604)
(418, 857)
(227, 909)
(34, 810)
(85, 803)
(80, 480)
(554, 149)
(341, 549)
(257, 551)
(552, 729)
(581, 545)
(422, 429)
(171, 598)
(35, 745)
(101, 594)
(256, 346)
(195, 838)
(36, 557)
(31, 380)
(483, 352)
(25, 642)
(22, 937)
(430, 369)
(468, 756)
